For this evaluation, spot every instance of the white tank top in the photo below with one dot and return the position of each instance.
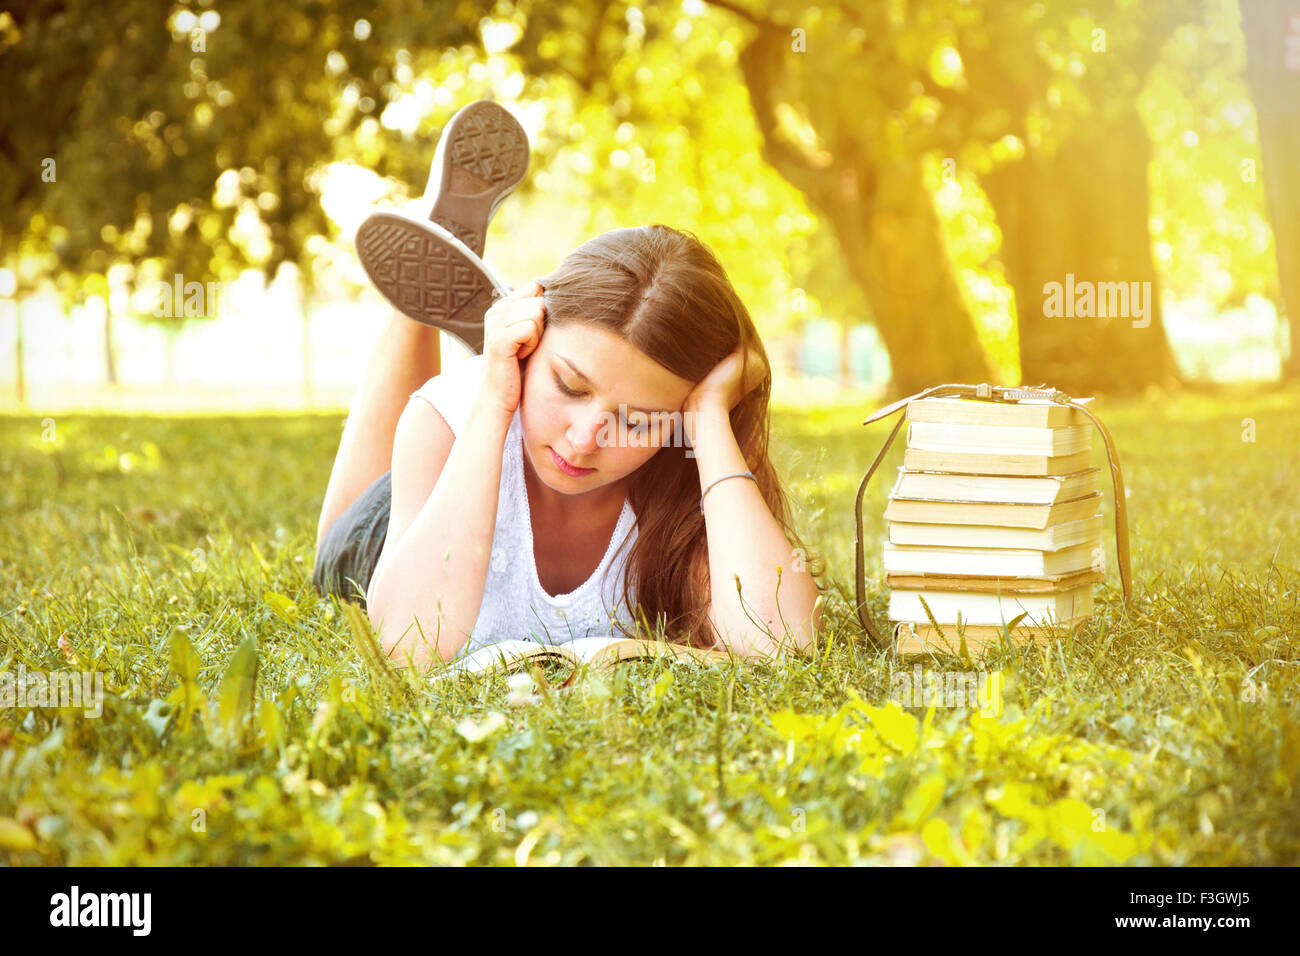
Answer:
(514, 602)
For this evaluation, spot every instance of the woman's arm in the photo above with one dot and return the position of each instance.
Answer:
(746, 543)
(425, 594)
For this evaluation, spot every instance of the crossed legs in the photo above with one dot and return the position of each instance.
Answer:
(406, 356)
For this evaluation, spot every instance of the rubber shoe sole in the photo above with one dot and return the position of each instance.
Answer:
(481, 157)
(428, 274)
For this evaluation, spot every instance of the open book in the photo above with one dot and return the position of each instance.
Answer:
(598, 653)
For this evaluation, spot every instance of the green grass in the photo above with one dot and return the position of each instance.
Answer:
(1167, 735)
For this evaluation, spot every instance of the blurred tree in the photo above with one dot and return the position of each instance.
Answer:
(155, 131)
(832, 91)
(176, 141)
(852, 97)
(1272, 29)
(1209, 225)
(1042, 101)
(184, 146)
(665, 134)
(189, 142)
(829, 92)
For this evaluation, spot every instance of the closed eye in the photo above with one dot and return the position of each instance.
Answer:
(564, 388)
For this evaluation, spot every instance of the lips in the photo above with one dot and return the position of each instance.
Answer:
(570, 470)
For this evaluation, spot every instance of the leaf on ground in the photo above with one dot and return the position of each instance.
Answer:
(363, 635)
(237, 687)
(185, 668)
(15, 836)
(284, 608)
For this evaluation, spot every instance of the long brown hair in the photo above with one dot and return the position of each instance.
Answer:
(664, 291)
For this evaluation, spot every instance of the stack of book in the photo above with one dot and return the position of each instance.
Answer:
(994, 517)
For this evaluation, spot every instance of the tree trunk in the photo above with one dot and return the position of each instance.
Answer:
(169, 372)
(885, 222)
(1272, 29)
(1071, 222)
(110, 367)
(306, 350)
(846, 353)
(895, 249)
(18, 350)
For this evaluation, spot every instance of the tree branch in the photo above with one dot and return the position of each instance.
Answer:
(591, 70)
(761, 67)
(741, 12)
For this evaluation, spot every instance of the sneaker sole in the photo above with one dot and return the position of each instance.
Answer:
(428, 275)
(481, 157)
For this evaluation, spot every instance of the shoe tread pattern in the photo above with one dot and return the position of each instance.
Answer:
(426, 278)
(491, 146)
(487, 157)
(471, 237)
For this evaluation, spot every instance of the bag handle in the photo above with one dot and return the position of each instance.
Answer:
(997, 393)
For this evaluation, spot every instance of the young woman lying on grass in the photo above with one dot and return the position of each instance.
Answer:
(551, 487)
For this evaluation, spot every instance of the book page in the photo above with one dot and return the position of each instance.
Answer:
(586, 648)
(490, 657)
(606, 651)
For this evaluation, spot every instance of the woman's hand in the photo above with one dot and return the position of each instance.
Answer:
(722, 388)
(512, 330)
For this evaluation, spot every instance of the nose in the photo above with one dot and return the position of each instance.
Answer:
(583, 434)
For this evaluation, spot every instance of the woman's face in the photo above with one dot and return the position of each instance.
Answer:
(595, 408)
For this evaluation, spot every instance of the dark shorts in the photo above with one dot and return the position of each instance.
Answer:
(350, 549)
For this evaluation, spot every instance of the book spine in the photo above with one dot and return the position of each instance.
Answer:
(989, 608)
(997, 439)
(967, 412)
(966, 463)
(1053, 538)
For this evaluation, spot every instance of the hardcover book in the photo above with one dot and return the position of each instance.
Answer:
(989, 562)
(998, 439)
(987, 463)
(1025, 414)
(910, 638)
(948, 607)
(1013, 489)
(992, 513)
(1051, 538)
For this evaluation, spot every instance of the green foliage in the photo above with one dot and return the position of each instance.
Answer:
(1209, 230)
(235, 695)
(951, 777)
(247, 721)
(195, 141)
(183, 139)
(654, 126)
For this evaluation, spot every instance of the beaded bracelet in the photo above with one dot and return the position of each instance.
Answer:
(740, 474)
